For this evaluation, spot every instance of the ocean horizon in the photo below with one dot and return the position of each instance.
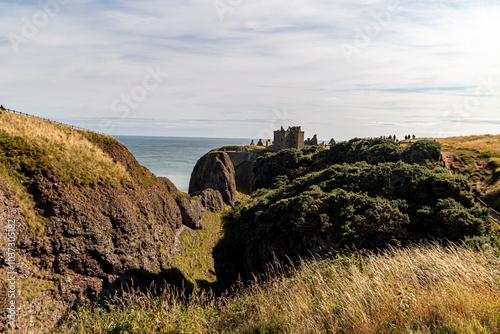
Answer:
(174, 157)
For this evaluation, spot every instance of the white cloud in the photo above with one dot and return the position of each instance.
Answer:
(413, 68)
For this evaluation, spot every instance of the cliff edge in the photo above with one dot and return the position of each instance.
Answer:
(226, 170)
(89, 218)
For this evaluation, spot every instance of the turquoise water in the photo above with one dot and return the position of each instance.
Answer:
(173, 157)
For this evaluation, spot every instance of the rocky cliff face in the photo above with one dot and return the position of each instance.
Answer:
(86, 234)
(106, 231)
(214, 171)
(225, 171)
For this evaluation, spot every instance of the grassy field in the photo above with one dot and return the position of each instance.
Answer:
(421, 289)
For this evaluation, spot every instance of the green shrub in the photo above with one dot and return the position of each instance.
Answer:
(368, 206)
(422, 151)
(294, 163)
(285, 162)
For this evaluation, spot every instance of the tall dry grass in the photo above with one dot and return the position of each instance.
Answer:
(422, 289)
(65, 148)
(486, 143)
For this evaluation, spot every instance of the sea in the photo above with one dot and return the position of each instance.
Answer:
(174, 157)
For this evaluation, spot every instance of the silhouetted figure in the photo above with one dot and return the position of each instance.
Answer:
(414, 137)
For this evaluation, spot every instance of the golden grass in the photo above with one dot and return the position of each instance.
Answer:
(65, 148)
(422, 289)
(480, 144)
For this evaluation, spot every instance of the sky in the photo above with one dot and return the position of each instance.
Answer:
(241, 69)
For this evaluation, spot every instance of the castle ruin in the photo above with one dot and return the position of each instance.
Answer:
(265, 142)
(313, 141)
(291, 138)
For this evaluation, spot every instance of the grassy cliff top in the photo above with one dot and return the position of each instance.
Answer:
(484, 144)
(477, 158)
(238, 148)
(33, 149)
(56, 147)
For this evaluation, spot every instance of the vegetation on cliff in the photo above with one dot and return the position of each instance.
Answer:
(89, 218)
(276, 168)
(368, 193)
(425, 289)
(92, 220)
(478, 159)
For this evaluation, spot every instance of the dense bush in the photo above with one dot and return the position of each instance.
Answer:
(287, 163)
(362, 193)
(369, 150)
(293, 163)
(421, 152)
(426, 202)
(362, 205)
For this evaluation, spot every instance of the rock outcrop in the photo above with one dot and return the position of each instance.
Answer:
(214, 171)
(211, 200)
(225, 170)
(243, 163)
(85, 234)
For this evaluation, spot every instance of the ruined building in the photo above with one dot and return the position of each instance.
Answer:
(291, 138)
(264, 142)
(313, 141)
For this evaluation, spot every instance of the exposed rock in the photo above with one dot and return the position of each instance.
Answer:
(88, 239)
(216, 171)
(190, 209)
(239, 167)
(211, 200)
(190, 212)
(243, 165)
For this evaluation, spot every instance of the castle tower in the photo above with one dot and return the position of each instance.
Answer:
(291, 138)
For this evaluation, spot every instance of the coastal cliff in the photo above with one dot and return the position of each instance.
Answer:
(367, 194)
(89, 219)
(226, 170)
(214, 171)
